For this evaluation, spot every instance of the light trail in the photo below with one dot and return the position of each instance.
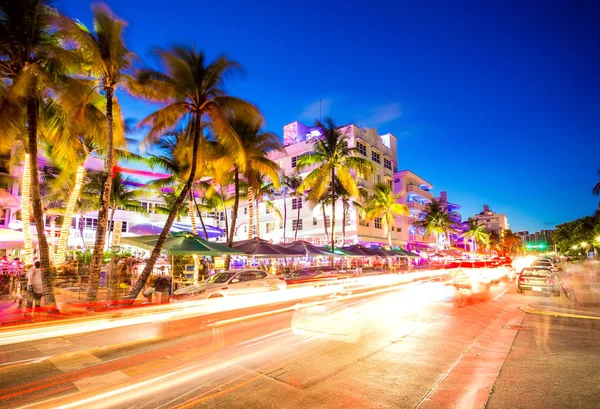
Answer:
(187, 309)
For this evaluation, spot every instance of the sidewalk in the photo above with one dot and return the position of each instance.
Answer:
(70, 302)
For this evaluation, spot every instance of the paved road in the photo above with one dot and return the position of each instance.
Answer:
(402, 347)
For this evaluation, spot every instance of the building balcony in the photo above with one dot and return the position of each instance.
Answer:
(415, 207)
(421, 238)
(418, 191)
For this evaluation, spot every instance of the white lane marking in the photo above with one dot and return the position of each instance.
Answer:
(500, 295)
(73, 361)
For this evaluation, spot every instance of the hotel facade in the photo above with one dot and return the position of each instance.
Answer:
(304, 221)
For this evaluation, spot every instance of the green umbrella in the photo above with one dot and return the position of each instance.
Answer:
(341, 252)
(405, 253)
(182, 244)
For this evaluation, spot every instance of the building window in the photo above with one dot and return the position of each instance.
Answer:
(314, 221)
(362, 222)
(246, 229)
(296, 203)
(270, 227)
(377, 179)
(90, 223)
(378, 222)
(375, 157)
(362, 149)
(245, 210)
(328, 221)
(387, 163)
(390, 184)
(294, 161)
(297, 225)
(397, 180)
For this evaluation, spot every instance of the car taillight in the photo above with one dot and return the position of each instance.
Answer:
(281, 278)
(549, 281)
(223, 288)
(523, 279)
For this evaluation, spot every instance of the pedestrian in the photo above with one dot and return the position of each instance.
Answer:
(34, 289)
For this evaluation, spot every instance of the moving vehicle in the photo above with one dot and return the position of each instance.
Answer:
(470, 281)
(315, 274)
(539, 279)
(228, 283)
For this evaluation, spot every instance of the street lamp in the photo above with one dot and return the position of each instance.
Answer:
(583, 244)
(574, 247)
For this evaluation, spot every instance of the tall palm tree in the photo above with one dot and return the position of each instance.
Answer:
(107, 62)
(334, 161)
(436, 221)
(189, 89)
(476, 233)
(265, 193)
(32, 65)
(289, 187)
(384, 203)
(255, 144)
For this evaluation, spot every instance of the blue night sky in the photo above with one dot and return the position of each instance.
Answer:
(495, 102)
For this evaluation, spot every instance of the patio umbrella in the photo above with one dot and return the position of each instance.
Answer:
(156, 228)
(307, 248)
(406, 253)
(181, 244)
(8, 200)
(363, 251)
(260, 248)
(341, 252)
(384, 252)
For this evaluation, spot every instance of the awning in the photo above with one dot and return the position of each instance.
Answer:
(181, 244)
(156, 228)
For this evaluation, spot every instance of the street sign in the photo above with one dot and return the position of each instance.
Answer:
(116, 233)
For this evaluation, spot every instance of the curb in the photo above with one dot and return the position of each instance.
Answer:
(566, 313)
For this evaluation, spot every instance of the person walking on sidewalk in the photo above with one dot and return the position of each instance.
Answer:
(34, 289)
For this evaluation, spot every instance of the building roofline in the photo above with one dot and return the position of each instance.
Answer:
(410, 171)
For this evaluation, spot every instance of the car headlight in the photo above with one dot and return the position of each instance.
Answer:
(188, 295)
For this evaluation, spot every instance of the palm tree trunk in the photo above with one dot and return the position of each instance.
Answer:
(257, 220)
(96, 264)
(200, 216)
(38, 211)
(137, 287)
(68, 218)
(234, 211)
(250, 211)
(324, 220)
(344, 212)
(284, 215)
(389, 228)
(191, 213)
(25, 206)
(111, 225)
(224, 211)
(297, 217)
(332, 214)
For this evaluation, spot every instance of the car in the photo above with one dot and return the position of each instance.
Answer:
(229, 283)
(470, 281)
(538, 279)
(542, 263)
(315, 274)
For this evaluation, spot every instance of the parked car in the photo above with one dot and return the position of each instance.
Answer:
(315, 274)
(539, 279)
(228, 283)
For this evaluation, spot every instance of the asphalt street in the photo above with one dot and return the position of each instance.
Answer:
(397, 347)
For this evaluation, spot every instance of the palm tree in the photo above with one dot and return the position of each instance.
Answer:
(436, 221)
(476, 233)
(107, 61)
(596, 189)
(322, 201)
(255, 144)
(290, 186)
(189, 89)
(31, 65)
(334, 160)
(384, 204)
(265, 192)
